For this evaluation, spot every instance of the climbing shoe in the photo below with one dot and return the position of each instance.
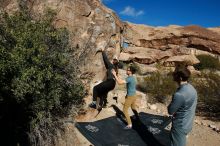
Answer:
(92, 105)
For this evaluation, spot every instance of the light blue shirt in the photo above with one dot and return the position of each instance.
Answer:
(131, 85)
(183, 107)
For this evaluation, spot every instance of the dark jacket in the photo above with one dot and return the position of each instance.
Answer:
(108, 65)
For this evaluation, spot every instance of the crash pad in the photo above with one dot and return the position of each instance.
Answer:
(148, 130)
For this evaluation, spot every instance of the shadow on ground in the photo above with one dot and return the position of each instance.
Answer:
(148, 130)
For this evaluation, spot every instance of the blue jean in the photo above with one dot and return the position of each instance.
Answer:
(178, 138)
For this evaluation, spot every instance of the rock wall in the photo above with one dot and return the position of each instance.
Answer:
(90, 24)
(160, 43)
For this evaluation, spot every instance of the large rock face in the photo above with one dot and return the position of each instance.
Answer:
(89, 23)
(169, 41)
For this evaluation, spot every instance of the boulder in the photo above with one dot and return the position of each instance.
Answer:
(184, 59)
(89, 22)
(145, 69)
(143, 55)
(141, 101)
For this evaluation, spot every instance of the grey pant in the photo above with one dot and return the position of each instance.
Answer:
(178, 138)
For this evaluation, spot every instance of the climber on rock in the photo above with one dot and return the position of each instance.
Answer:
(101, 90)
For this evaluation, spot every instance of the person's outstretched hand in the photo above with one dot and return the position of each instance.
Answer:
(99, 50)
(113, 72)
(102, 49)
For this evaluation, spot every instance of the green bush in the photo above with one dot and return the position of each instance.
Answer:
(137, 68)
(159, 86)
(207, 62)
(38, 83)
(207, 86)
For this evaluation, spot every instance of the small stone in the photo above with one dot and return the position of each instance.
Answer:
(212, 126)
(203, 123)
(198, 122)
(153, 107)
(158, 111)
(217, 129)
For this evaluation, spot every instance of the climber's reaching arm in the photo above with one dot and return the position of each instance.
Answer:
(119, 81)
(106, 60)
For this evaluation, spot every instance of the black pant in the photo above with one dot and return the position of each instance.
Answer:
(101, 90)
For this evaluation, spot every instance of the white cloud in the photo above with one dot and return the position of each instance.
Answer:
(130, 11)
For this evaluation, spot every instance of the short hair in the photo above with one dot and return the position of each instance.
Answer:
(182, 74)
(133, 69)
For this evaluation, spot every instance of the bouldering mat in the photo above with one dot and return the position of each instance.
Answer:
(148, 131)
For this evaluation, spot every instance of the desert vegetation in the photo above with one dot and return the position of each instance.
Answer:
(38, 84)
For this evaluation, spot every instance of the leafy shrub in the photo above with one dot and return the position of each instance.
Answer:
(136, 67)
(207, 62)
(159, 86)
(207, 86)
(38, 83)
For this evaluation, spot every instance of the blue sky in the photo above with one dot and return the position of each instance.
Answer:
(205, 13)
